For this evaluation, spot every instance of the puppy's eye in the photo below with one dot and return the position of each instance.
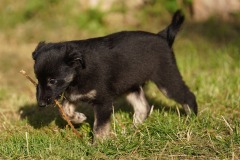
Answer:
(52, 81)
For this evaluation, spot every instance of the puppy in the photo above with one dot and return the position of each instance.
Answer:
(99, 69)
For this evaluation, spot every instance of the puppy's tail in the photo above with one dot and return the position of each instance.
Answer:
(171, 31)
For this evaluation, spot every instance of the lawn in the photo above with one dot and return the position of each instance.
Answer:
(208, 56)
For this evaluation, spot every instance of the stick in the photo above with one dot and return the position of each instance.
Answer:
(29, 78)
(65, 117)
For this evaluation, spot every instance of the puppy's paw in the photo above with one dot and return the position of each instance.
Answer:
(101, 132)
(139, 117)
(78, 118)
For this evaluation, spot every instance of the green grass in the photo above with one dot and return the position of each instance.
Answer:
(208, 58)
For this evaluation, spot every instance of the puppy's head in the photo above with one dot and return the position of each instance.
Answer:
(56, 66)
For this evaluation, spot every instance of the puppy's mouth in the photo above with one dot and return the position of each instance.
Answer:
(49, 102)
(58, 98)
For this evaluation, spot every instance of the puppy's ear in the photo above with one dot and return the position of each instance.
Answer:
(75, 57)
(39, 46)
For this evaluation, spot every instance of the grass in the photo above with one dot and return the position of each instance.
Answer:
(208, 58)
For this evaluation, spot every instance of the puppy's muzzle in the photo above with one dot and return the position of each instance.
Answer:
(44, 103)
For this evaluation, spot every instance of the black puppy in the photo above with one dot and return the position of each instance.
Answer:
(99, 69)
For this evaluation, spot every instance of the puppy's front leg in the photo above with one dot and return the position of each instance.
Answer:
(75, 117)
(102, 116)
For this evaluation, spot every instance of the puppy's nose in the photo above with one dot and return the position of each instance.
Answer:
(42, 104)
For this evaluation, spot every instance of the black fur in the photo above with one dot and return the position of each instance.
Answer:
(112, 65)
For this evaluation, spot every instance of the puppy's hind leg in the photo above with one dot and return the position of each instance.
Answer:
(75, 117)
(170, 82)
(140, 105)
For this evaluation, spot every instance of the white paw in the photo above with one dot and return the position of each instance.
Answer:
(138, 118)
(78, 118)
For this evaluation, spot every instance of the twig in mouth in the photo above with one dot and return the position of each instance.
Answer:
(65, 117)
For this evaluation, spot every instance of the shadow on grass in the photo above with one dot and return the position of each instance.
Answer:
(40, 117)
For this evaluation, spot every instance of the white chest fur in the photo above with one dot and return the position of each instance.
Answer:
(87, 96)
